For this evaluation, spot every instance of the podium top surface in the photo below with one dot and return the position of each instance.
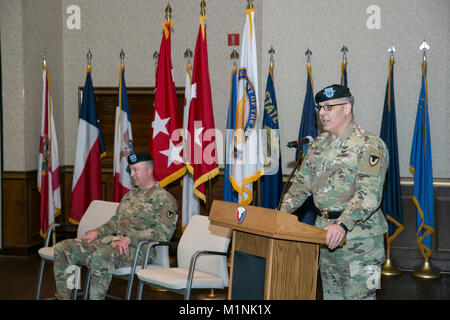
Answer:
(265, 222)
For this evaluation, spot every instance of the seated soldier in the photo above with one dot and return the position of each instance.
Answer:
(148, 212)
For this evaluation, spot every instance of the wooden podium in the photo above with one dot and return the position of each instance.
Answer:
(290, 248)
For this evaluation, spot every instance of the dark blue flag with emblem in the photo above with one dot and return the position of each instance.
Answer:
(308, 127)
(229, 194)
(272, 180)
(422, 169)
(392, 197)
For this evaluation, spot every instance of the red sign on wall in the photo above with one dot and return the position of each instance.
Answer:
(233, 39)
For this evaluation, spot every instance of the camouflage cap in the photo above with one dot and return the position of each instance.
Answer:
(139, 157)
(334, 91)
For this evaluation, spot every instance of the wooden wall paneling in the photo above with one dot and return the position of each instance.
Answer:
(405, 251)
(21, 220)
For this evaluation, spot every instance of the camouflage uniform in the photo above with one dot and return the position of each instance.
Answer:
(142, 214)
(346, 174)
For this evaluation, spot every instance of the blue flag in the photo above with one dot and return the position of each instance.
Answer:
(229, 194)
(308, 127)
(308, 124)
(392, 197)
(422, 169)
(272, 180)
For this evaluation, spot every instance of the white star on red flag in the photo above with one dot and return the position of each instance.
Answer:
(159, 125)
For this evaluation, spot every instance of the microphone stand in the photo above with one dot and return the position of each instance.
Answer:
(291, 175)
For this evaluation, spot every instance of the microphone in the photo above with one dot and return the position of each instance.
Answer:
(296, 143)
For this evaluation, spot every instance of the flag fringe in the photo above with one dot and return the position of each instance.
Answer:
(174, 176)
(397, 232)
(205, 177)
(426, 252)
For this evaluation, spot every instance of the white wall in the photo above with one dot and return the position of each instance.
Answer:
(324, 26)
(291, 26)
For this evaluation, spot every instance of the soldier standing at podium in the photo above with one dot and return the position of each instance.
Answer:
(344, 170)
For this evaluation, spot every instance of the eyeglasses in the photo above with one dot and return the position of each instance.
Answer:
(327, 107)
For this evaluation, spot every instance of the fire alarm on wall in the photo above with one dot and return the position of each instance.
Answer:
(233, 39)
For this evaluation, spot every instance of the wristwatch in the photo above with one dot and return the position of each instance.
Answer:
(342, 225)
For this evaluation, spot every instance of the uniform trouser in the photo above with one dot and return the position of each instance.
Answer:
(102, 260)
(352, 271)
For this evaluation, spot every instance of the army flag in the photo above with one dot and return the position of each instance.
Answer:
(48, 167)
(272, 180)
(229, 194)
(247, 158)
(166, 139)
(392, 197)
(190, 202)
(123, 141)
(87, 176)
(202, 156)
(422, 169)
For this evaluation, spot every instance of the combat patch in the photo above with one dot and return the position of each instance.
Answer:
(372, 161)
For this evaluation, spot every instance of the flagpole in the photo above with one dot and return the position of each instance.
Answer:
(271, 52)
(44, 64)
(425, 271)
(388, 268)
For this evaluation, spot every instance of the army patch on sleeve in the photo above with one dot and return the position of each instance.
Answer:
(372, 161)
(167, 218)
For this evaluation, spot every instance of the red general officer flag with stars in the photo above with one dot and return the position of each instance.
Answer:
(166, 141)
(202, 147)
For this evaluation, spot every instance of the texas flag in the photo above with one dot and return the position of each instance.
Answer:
(87, 179)
(123, 141)
(202, 148)
(48, 168)
(166, 139)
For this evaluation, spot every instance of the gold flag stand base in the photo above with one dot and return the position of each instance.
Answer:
(212, 295)
(426, 271)
(388, 269)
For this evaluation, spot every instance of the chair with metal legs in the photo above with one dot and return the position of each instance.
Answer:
(98, 213)
(201, 258)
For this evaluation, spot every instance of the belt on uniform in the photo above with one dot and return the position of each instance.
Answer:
(328, 214)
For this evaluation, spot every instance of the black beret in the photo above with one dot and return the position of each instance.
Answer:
(334, 91)
(139, 157)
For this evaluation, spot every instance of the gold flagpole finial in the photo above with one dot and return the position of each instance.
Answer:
(344, 51)
(424, 47)
(44, 59)
(308, 55)
(250, 4)
(391, 50)
(234, 55)
(271, 52)
(122, 57)
(203, 8)
(89, 57)
(168, 12)
(188, 55)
